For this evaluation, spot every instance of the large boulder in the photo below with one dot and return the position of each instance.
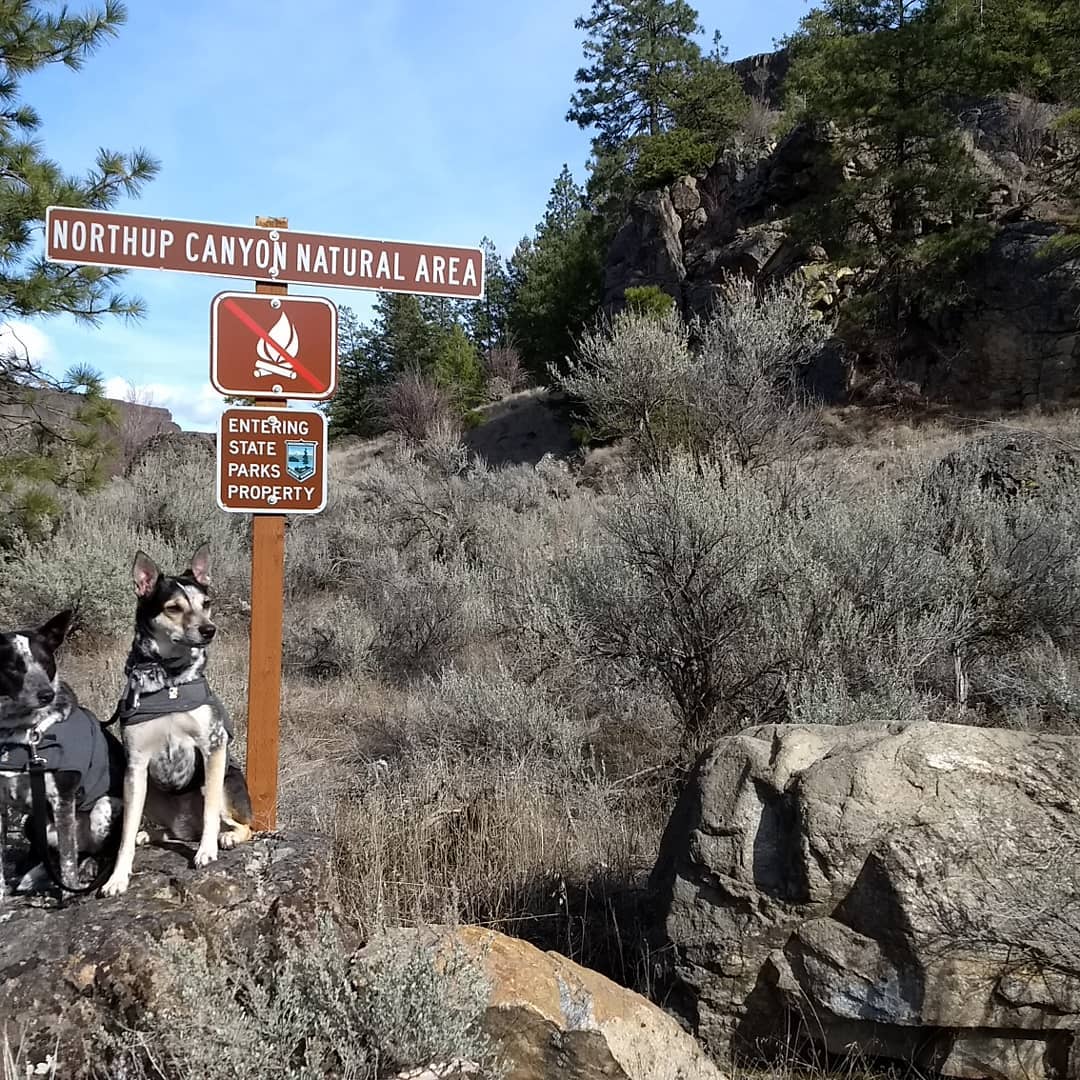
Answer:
(910, 891)
(552, 1019)
(762, 76)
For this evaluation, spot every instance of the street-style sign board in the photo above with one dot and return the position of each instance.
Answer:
(271, 461)
(273, 346)
(103, 238)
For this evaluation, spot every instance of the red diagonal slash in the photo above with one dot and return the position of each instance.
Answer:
(255, 328)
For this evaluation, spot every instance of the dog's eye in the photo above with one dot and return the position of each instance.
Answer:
(173, 609)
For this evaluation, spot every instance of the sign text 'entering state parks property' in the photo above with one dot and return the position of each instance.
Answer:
(271, 461)
(103, 238)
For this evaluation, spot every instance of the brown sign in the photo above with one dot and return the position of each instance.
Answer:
(271, 461)
(102, 238)
(273, 346)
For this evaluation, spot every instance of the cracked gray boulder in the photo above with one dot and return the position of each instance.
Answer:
(908, 891)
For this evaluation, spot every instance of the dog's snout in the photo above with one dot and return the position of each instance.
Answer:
(207, 631)
(45, 695)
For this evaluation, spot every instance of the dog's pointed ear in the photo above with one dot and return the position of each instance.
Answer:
(200, 565)
(145, 574)
(56, 629)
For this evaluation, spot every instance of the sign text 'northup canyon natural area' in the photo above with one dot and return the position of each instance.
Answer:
(102, 238)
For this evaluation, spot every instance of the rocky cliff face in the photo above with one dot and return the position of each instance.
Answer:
(1012, 342)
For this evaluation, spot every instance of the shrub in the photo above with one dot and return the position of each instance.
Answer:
(631, 374)
(649, 300)
(683, 586)
(424, 619)
(414, 404)
(330, 640)
(164, 507)
(504, 370)
(301, 1010)
(728, 386)
(466, 716)
(743, 384)
(664, 157)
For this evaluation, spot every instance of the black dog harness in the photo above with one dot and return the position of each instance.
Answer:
(76, 744)
(137, 708)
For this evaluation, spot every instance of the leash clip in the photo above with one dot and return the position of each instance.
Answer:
(35, 758)
(174, 692)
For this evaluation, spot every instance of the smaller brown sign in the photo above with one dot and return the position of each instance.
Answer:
(271, 461)
(273, 346)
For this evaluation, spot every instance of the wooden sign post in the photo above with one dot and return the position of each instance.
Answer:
(267, 627)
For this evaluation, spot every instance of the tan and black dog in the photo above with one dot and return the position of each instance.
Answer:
(175, 731)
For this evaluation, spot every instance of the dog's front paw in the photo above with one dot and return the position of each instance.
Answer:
(206, 855)
(116, 885)
(142, 837)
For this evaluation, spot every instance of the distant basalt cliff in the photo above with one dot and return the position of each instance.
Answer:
(1013, 341)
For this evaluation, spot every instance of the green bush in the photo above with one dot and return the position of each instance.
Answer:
(457, 369)
(649, 300)
(669, 155)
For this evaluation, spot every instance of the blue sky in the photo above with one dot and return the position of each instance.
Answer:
(411, 119)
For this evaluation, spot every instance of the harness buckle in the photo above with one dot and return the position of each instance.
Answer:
(174, 692)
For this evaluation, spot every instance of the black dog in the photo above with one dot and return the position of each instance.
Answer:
(41, 718)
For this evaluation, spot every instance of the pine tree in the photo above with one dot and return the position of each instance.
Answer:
(555, 279)
(32, 37)
(641, 51)
(357, 407)
(457, 369)
(884, 72)
(40, 454)
(487, 320)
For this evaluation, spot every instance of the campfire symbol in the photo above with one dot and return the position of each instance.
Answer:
(276, 359)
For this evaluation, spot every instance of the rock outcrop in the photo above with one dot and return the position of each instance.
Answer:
(1013, 341)
(905, 891)
(552, 1019)
(63, 969)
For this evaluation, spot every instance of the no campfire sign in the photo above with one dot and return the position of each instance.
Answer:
(273, 346)
(271, 461)
(103, 238)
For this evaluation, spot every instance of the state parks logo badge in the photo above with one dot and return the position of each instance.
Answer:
(300, 460)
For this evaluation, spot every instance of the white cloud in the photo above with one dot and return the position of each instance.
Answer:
(25, 341)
